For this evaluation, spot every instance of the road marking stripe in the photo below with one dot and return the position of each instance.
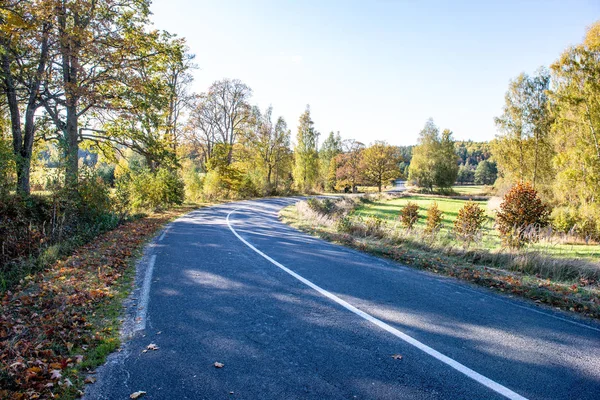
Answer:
(162, 236)
(142, 312)
(495, 386)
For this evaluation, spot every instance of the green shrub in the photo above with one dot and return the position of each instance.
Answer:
(469, 222)
(374, 226)
(107, 173)
(521, 213)
(409, 215)
(94, 196)
(344, 225)
(193, 180)
(434, 219)
(321, 206)
(588, 225)
(564, 219)
(247, 188)
(213, 187)
(154, 190)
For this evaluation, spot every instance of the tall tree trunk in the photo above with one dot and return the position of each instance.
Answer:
(23, 172)
(71, 148)
(15, 115)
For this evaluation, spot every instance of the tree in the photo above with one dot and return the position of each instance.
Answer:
(94, 44)
(306, 156)
(434, 160)
(145, 117)
(349, 173)
(379, 163)
(465, 175)
(446, 161)
(521, 214)
(24, 47)
(524, 150)
(269, 143)
(423, 163)
(331, 147)
(220, 116)
(576, 130)
(485, 173)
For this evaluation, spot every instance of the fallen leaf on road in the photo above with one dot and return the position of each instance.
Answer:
(90, 379)
(137, 395)
(152, 346)
(397, 357)
(219, 365)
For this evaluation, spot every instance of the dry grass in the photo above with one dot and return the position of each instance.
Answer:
(568, 283)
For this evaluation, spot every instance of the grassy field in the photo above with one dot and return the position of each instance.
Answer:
(473, 190)
(560, 276)
(389, 210)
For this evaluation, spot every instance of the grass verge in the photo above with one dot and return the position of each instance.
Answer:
(59, 324)
(572, 294)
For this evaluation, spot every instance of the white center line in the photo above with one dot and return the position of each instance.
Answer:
(495, 386)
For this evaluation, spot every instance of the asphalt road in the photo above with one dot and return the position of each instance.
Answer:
(294, 317)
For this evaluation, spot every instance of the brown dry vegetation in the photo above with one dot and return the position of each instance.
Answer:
(568, 283)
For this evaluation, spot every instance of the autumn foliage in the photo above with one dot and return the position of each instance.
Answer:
(469, 222)
(521, 215)
(409, 215)
(47, 321)
(434, 219)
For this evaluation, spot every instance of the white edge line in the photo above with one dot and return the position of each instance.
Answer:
(140, 320)
(162, 236)
(495, 386)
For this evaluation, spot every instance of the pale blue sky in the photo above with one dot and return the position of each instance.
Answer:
(377, 69)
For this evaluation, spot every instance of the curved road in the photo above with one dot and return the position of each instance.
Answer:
(293, 317)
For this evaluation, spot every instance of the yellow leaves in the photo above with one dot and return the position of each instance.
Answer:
(592, 37)
(11, 21)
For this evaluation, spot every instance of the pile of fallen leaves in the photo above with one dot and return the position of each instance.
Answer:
(48, 322)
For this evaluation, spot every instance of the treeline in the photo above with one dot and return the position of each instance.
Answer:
(97, 123)
(235, 150)
(550, 136)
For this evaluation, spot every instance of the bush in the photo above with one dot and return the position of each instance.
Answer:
(409, 215)
(374, 227)
(155, 190)
(107, 173)
(213, 187)
(434, 219)
(247, 188)
(344, 225)
(193, 179)
(564, 219)
(321, 206)
(94, 196)
(521, 213)
(469, 222)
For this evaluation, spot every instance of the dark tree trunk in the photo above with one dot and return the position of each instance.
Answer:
(71, 148)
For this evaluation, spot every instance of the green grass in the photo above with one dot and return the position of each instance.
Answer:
(389, 211)
(474, 190)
